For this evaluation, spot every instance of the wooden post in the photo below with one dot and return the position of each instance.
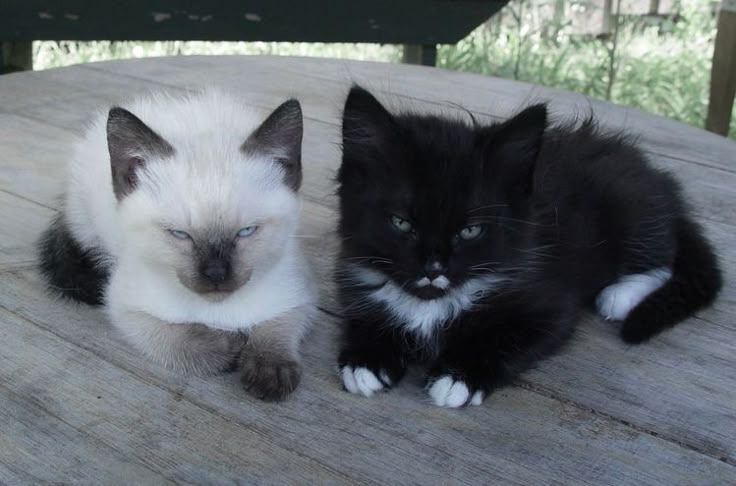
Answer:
(420, 54)
(15, 56)
(558, 15)
(653, 7)
(723, 72)
(607, 21)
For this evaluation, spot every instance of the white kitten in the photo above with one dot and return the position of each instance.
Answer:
(180, 216)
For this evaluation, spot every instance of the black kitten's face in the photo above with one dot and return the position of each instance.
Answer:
(424, 241)
(429, 204)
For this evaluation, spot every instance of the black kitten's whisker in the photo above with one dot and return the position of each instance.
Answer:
(517, 220)
(489, 206)
(372, 259)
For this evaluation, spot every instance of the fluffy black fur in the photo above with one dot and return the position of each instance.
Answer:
(70, 270)
(564, 211)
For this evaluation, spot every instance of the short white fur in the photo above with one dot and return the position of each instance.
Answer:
(618, 299)
(362, 381)
(419, 315)
(447, 392)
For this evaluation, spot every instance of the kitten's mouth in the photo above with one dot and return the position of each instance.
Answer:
(428, 289)
(218, 292)
(215, 292)
(216, 295)
(428, 293)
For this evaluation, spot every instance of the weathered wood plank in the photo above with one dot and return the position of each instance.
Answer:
(584, 375)
(599, 412)
(20, 221)
(497, 98)
(35, 445)
(151, 426)
(385, 439)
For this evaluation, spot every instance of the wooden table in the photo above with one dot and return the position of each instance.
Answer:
(77, 404)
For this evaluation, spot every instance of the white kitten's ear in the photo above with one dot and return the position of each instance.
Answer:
(131, 144)
(280, 137)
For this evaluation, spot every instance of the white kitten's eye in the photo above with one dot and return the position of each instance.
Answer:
(247, 231)
(180, 235)
(471, 232)
(401, 224)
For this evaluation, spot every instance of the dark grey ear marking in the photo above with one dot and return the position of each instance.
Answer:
(280, 137)
(130, 143)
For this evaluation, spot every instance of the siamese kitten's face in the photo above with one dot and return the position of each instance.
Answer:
(209, 212)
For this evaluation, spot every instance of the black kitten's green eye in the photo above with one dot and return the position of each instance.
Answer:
(401, 224)
(471, 232)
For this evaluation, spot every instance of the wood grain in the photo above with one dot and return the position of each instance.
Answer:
(600, 412)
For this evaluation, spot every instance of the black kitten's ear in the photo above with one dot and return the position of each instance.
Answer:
(367, 127)
(280, 137)
(517, 141)
(131, 144)
(522, 134)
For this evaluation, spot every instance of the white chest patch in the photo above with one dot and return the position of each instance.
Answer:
(423, 316)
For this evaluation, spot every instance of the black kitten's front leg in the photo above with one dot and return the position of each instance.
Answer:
(488, 349)
(372, 357)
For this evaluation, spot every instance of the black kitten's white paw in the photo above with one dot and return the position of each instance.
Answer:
(618, 299)
(361, 380)
(446, 391)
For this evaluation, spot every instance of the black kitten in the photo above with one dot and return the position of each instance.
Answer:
(476, 248)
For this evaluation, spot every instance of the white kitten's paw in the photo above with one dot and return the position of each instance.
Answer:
(363, 381)
(616, 301)
(269, 377)
(448, 392)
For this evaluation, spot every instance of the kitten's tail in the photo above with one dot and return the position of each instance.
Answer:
(70, 270)
(695, 283)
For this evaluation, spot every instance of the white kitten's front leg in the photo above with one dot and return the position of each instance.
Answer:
(188, 348)
(271, 365)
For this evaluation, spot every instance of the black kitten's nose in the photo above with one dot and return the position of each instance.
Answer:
(434, 268)
(216, 271)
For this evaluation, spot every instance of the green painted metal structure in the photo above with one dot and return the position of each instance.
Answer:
(422, 24)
